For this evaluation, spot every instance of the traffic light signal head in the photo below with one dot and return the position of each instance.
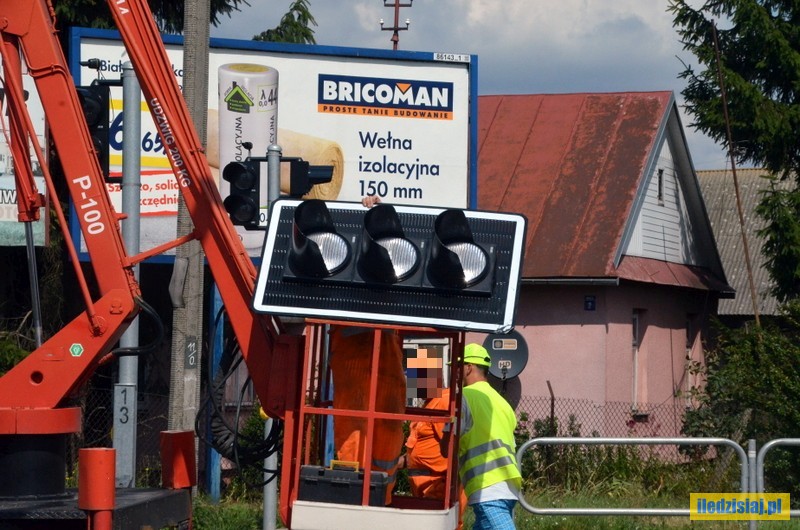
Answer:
(318, 251)
(94, 101)
(456, 260)
(303, 176)
(387, 256)
(393, 264)
(243, 202)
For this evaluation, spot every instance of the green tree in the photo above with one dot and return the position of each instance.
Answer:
(168, 13)
(781, 208)
(752, 390)
(759, 64)
(759, 45)
(294, 26)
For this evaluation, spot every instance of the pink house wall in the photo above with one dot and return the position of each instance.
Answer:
(588, 355)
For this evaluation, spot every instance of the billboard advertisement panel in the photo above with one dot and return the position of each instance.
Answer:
(400, 125)
(12, 232)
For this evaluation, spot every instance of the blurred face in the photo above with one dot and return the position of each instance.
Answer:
(424, 375)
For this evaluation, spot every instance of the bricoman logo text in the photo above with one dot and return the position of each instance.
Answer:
(396, 98)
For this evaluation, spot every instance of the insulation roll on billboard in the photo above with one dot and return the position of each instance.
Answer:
(248, 113)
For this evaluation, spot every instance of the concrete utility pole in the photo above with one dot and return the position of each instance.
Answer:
(186, 285)
(126, 389)
(394, 28)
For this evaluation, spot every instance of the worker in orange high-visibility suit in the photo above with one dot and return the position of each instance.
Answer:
(351, 366)
(426, 465)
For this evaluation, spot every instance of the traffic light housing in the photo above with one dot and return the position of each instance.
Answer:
(94, 101)
(392, 264)
(244, 201)
(303, 176)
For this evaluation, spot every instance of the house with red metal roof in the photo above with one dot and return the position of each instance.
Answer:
(621, 271)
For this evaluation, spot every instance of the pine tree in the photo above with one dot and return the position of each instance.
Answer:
(759, 50)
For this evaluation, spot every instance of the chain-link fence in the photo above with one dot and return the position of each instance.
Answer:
(652, 468)
(543, 416)
(98, 422)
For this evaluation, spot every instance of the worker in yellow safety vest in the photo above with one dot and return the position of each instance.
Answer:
(487, 463)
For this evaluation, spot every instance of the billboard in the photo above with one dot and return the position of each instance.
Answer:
(400, 125)
(12, 232)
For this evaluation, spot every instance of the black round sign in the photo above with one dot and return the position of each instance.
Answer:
(509, 353)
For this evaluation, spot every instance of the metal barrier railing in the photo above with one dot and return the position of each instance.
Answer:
(762, 453)
(745, 474)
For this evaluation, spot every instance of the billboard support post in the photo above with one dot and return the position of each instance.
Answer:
(274, 154)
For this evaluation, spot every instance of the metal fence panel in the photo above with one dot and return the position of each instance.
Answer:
(629, 441)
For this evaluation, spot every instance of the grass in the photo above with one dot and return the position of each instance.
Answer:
(226, 515)
(243, 515)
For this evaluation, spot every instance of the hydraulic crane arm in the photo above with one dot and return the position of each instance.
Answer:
(49, 374)
(230, 265)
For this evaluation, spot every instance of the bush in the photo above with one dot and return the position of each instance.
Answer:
(752, 391)
(10, 355)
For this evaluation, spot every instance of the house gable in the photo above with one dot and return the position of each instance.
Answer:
(668, 227)
(663, 225)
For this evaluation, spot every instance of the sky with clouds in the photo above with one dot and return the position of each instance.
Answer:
(523, 46)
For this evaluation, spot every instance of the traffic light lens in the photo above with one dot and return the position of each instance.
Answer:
(317, 250)
(387, 256)
(473, 261)
(240, 176)
(334, 250)
(244, 182)
(403, 255)
(240, 209)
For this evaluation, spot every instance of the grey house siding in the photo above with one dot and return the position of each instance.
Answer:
(663, 228)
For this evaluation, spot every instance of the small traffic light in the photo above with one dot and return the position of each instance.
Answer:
(393, 264)
(243, 203)
(95, 105)
(303, 176)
